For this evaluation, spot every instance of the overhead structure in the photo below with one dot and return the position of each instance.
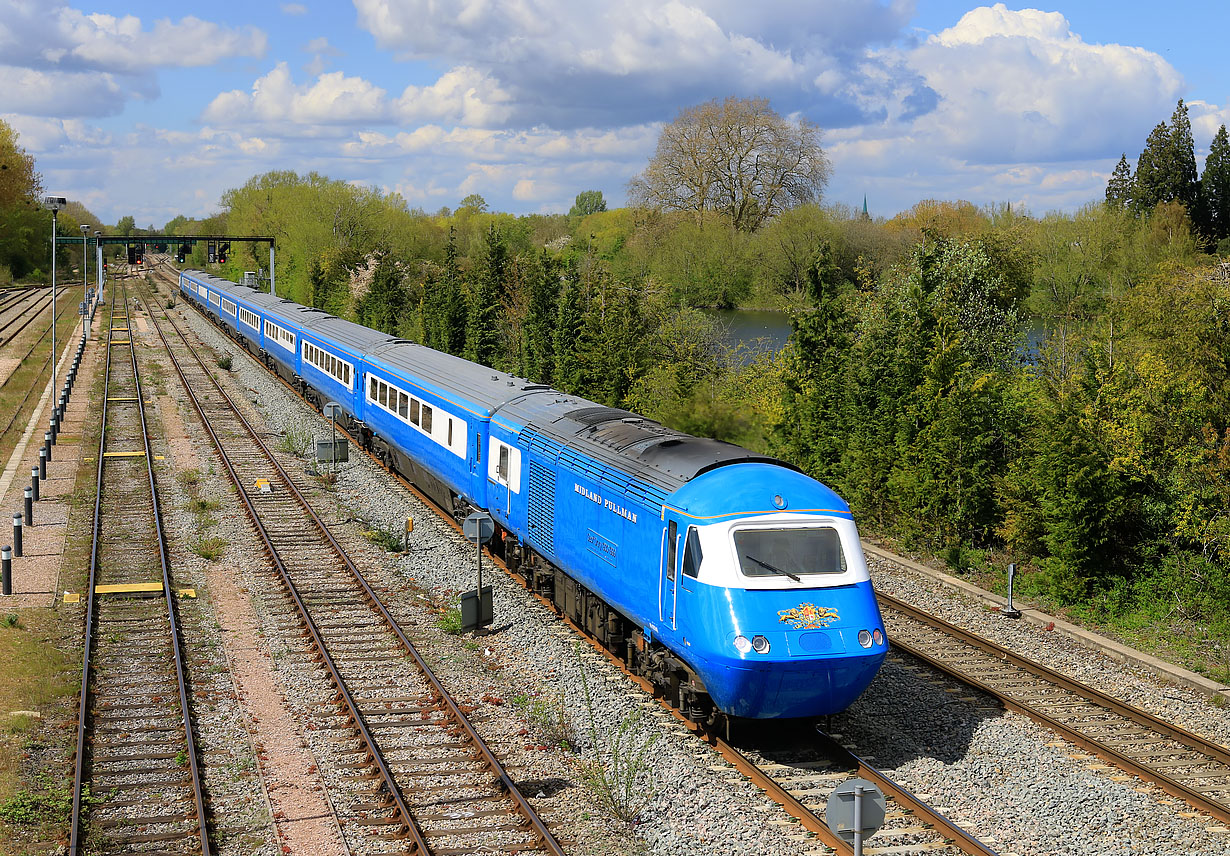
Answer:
(218, 247)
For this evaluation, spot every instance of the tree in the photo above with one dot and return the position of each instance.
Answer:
(126, 226)
(587, 202)
(1215, 186)
(1119, 188)
(738, 158)
(486, 296)
(1166, 169)
(19, 183)
(386, 301)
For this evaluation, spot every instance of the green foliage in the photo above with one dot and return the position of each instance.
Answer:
(386, 302)
(1215, 187)
(51, 803)
(450, 621)
(587, 202)
(488, 288)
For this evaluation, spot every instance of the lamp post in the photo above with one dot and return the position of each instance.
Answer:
(54, 203)
(85, 257)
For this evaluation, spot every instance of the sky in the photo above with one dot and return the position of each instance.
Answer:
(529, 102)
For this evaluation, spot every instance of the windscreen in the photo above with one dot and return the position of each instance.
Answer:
(789, 552)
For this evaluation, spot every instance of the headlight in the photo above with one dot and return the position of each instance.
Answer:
(878, 636)
(864, 638)
(760, 644)
(742, 645)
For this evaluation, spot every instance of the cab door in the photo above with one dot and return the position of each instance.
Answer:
(668, 586)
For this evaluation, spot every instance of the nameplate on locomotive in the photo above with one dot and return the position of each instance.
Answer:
(595, 497)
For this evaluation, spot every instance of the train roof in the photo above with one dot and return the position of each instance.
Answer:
(453, 377)
(640, 447)
(348, 333)
(232, 288)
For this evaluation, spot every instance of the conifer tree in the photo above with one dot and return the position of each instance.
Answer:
(1215, 187)
(1166, 169)
(567, 325)
(538, 331)
(1119, 188)
(486, 294)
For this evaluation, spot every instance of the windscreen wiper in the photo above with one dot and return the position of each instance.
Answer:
(774, 569)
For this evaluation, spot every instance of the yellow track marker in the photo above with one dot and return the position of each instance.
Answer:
(123, 454)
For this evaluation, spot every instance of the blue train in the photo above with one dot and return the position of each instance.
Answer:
(733, 581)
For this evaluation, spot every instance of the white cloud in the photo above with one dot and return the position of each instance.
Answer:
(56, 60)
(570, 63)
(333, 98)
(463, 95)
(293, 9)
(52, 35)
(1021, 86)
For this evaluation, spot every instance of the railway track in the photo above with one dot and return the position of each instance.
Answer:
(17, 315)
(1137, 743)
(800, 778)
(136, 781)
(412, 766)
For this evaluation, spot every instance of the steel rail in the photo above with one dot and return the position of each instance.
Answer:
(44, 301)
(354, 715)
(1216, 809)
(454, 712)
(75, 840)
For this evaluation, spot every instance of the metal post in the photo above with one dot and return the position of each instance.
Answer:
(272, 289)
(47, 444)
(480, 581)
(333, 441)
(858, 820)
(17, 534)
(1011, 611)
(6, 569)
(55, 429)
(29, 503)
(42, 464)
(53, 298)
(85, 255)
(34, 482)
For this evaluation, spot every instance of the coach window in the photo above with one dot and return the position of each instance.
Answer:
(503, 466)
(426, 415)
(691, 553)
(403, 405)
(371, 391)
(450, 432)
(414, 411)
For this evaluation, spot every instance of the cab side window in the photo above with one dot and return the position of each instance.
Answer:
(672, 540)
(691, 553)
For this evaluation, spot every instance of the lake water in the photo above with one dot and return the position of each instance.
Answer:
(758, 330)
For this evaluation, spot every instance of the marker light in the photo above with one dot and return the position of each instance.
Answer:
(864, 638)
(742, 645)
(760, 644)
(878, 636)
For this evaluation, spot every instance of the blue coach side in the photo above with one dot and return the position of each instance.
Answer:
(331, 363)
(430, 413)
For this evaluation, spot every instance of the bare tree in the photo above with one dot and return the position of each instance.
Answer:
(737, 157)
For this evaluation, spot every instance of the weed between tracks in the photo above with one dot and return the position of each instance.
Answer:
(619, 774)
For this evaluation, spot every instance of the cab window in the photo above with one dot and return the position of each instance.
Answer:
(692, 555)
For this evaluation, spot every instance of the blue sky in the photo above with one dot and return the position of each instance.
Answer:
(528, 102)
